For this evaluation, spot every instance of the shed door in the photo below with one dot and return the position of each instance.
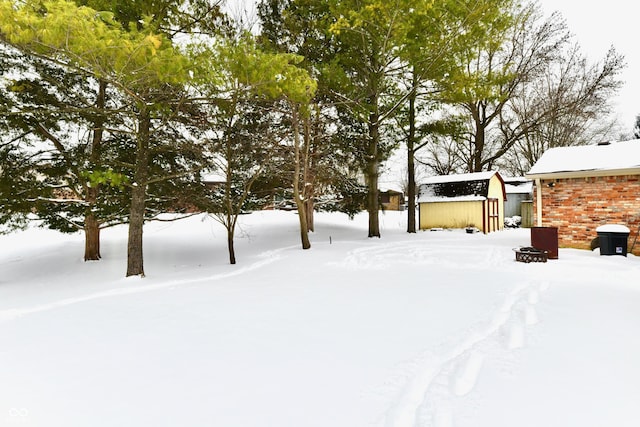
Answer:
(493, 213)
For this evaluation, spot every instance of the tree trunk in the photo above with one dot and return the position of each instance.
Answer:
(478, 148)
(304, 233)
(230, 213)
(372, 204)
(232, 251)
(135, 259)
(411, 192)
(372, 175)
(308, 207)
(309, 173)
(298, 195)
(91, 223)
(411, 167)
(91, 238)
(478, 140)
(91, 226)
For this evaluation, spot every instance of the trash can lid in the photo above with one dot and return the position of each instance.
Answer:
(613, 228)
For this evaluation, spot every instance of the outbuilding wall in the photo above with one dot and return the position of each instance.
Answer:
(451, 214)
(577, 206)
(391, 201)
(513, 205)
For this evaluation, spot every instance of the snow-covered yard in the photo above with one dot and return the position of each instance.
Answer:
(434, 329)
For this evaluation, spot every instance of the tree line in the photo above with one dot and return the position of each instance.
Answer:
(113, 110)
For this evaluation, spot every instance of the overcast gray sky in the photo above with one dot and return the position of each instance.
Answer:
(598, 25)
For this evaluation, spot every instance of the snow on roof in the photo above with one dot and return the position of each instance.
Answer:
(212, 176)
(476, 176)
(514, 179)
(425, 198)
(514, 187)
(617, 156)
(385, 188)
(455, 188)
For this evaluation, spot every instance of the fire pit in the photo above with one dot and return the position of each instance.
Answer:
(529, 254)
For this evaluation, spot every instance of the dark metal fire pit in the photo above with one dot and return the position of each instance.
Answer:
(529, 254)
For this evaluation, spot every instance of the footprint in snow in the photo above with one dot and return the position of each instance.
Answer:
(443, 416)
(530, 315)
(467, 374)
(515, 336)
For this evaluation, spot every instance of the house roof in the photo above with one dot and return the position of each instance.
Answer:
(457, 188)
(211, 176)
(617, 158)
(518, 185)
(389, 186)
(390, 191)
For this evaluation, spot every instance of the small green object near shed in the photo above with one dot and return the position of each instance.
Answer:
(613, 239)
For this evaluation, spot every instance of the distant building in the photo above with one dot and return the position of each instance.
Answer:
(391, 200)
(519, 199)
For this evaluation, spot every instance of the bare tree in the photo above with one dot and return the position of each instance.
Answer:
(568, 105)
(443, 157)
(514, 51)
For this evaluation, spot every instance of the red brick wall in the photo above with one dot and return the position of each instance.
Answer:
(577, 206)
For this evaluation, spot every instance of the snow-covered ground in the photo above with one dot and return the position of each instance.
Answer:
(434, 329)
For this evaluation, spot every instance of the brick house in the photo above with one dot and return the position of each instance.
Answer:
(577, 189)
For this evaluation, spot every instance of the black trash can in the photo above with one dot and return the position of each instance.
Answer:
(613, 239)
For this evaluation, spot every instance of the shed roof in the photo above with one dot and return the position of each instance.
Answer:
(618, 158)
(463, 177)
(462, 187)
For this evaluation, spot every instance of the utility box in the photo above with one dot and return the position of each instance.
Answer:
(613, 239)
(526, 211)
(545, 238)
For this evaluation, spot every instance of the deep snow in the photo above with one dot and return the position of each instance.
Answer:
(433, 329)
